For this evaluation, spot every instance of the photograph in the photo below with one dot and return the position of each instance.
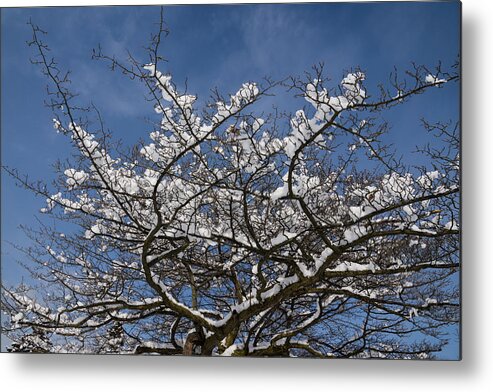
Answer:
(232, 180)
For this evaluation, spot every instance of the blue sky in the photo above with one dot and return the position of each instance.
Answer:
(210, 46)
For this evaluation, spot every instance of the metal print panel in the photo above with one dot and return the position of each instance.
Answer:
(268, 180)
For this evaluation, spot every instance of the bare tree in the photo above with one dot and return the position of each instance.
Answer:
(238, 234)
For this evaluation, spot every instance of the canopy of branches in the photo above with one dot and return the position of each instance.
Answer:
(243, 234)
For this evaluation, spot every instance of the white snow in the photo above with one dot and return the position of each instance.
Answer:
(432, 79)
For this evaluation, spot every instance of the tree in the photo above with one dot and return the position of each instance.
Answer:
(233, 233)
